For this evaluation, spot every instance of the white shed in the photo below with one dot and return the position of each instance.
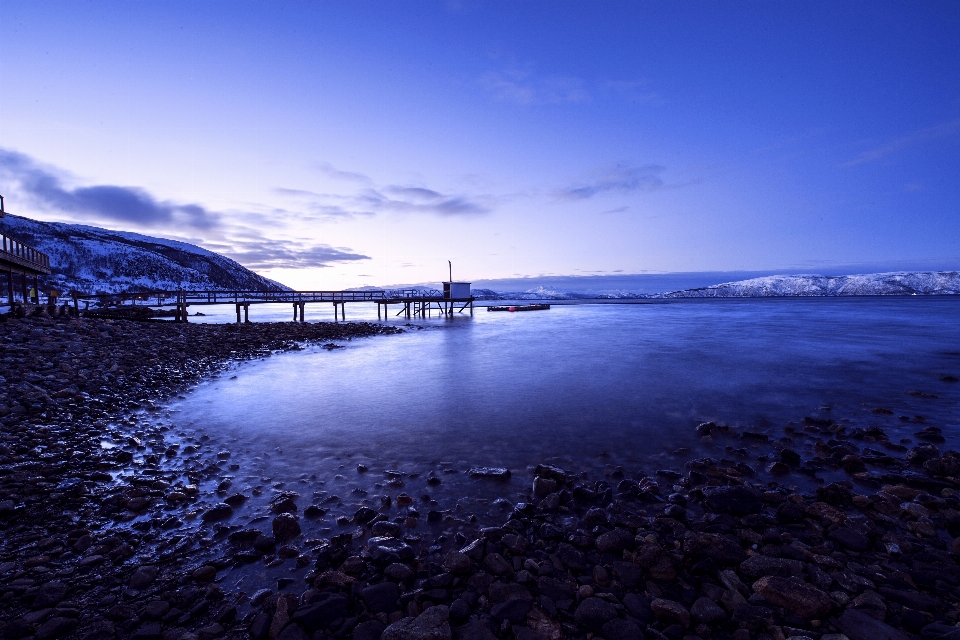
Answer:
(456, 290)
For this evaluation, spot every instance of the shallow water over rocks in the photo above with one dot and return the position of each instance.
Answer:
(604, 389)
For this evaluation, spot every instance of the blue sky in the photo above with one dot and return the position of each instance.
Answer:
(333, 144)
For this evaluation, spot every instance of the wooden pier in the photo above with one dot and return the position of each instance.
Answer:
(412, 302)
(17, 258)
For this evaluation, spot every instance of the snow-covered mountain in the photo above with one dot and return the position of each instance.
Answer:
(872, 284)
(94, 260)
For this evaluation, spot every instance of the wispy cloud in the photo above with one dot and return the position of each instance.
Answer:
(918, 137)
(338, 174)
(621, 179)
(373, 199)
(45, 189)
(525, 88)
(267, 254)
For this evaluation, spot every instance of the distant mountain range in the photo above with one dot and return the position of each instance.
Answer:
(873, 284)
(94, 260)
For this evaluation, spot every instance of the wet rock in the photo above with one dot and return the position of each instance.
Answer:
(292, 631)
(795, 595)
(381, 598)
(857, 625)
(617, 629)
(219, 511)
(670, 612)
(148, 631)
(320, 614)
(494, 473)
(398, 572)
(615, 541)
(722, 550)
(760, 566)
(457, 562)
(369, 630)
(286, 527)
(206, 573)
(143, 577)
(513, 610)
(542, 487)
(871, 604)
(593, 613)
(737, 500)
(432, 624)
(850, 539)
(56, 627)
(475, 630)
(156, 609)
(706, 611)
(497, 564)
(49, 595)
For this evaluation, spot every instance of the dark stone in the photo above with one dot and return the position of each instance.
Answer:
(593, 613)
(260, 628)
(912, 599)
(759, 566)
(860, 626)
(737, 500)
(570, 557)
(364, 515)
(555, 589)
(57, 627)
(617, 629)
(627, 573)
(319, 615)
(615, 541)
(706, 611)
(939, 631)
(850, 539)
(513, 610)
(474, 630)
(795, 595)
(219, 511)
(149, 631)
(49, 595)
(292, 631)
(790, 513)
(369, 630)
(285, 527)
(724, 550)
(381, 598)
(752, 617)
(459, 610)
(143, 577)
(265, 544)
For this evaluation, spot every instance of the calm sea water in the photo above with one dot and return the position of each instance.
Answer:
(589, 387)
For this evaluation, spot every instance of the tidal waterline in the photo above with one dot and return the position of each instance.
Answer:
(591, 387)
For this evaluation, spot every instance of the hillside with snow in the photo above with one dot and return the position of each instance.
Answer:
(95, 260)
(873, 284)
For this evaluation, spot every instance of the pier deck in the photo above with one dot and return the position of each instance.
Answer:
(413, 302)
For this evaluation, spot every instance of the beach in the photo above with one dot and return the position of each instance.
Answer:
(120, 522)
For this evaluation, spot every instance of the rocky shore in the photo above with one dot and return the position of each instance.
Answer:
(115, 526)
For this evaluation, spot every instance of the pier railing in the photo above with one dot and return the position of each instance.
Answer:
(23, 255)
(172, 298)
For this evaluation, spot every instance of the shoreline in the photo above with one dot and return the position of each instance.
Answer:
(96, 546)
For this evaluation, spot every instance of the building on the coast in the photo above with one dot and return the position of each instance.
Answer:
(18, 259)
(456, 290)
